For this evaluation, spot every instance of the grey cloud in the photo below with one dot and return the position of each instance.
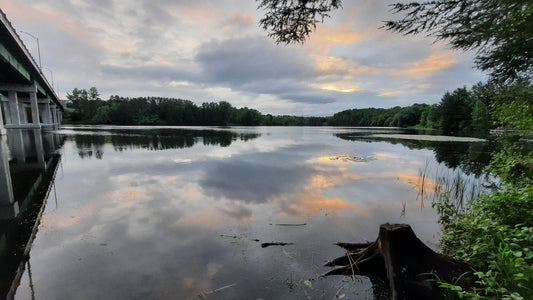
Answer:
(158, 73)
(288, 89)
(310, 97)
(377, 51)
(256, 65)
(244, 60)
(455, 76)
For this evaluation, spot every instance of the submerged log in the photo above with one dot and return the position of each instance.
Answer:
(401, 259)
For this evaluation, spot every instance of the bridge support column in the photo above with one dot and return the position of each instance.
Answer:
(56, 115)
(45, 113)
(22, 108)
(13, 110)
(8, 207)
(35, 118)
(2, 112)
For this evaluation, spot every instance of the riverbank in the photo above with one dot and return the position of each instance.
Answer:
(494, 233)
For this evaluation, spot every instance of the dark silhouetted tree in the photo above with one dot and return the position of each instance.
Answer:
(480, 118)
(291, 21)
(455, 110)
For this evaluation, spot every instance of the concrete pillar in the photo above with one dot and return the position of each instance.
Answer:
(34, 111)
(22, 112)
(14, 108)
(2, 110)
(59, 117)
(53, 111)
(8, 207)
(45, 112)
(5, 105)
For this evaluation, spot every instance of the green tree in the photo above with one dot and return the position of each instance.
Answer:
(102, 115)
(93, 94)
(480, 118)
(512, 107)
(85, 104)
(78, 101)
(455, 110)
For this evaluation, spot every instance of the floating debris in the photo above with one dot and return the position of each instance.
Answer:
(264, 245)
(237, 237)
(204, 295)
(230, 236)
(328, 159)
(289, 224)
(348, 158)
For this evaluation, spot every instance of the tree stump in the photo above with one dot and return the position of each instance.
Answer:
(401, 259)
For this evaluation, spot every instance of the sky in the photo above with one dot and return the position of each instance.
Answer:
(210, 51)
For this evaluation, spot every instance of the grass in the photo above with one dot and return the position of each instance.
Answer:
(448, 187)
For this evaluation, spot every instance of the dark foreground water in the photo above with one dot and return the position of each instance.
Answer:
(184, 213)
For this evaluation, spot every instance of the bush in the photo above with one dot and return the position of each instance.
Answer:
(495, 233)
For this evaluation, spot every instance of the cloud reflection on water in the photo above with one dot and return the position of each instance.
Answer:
(181, 221)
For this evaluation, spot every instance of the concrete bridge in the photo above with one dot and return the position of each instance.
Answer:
(27, 100)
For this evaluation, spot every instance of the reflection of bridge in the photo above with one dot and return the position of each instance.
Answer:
(27, 100)
(28, 162)
(28, 155)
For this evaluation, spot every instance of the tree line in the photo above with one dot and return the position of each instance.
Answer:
(464, 111)
(86, 107)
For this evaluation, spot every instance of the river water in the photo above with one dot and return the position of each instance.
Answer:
(187, 212)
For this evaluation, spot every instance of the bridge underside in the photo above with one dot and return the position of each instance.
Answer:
(26, 98)
(23, 107)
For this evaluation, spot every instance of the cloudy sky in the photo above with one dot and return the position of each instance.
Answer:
(214, 50)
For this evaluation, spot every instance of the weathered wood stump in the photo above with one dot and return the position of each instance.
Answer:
(401, 259)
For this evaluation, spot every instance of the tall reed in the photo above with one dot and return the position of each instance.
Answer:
(450, 187)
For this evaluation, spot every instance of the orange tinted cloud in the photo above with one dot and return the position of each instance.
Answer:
(382, 94)
(337, 87)
(341, 34)
(434, 62)
(336, 65)
(327, 63)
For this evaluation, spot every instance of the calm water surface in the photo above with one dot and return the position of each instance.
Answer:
(182, 213)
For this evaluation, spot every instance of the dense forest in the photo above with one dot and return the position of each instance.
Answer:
(462, 111)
